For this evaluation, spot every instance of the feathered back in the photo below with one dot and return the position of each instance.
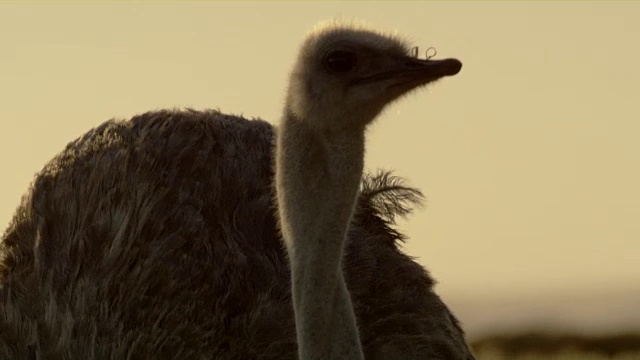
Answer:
(156, 238)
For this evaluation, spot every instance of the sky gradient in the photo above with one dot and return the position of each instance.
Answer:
(529, 158)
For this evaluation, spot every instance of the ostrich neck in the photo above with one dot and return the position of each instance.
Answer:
(317, 178)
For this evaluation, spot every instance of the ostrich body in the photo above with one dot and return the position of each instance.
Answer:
(158, 237)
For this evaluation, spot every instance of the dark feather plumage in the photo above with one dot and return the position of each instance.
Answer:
(156, 238)
(388, 196)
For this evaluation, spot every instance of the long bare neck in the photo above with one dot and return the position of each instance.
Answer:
(317, 178)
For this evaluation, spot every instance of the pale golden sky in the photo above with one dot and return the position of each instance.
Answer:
(530, 157)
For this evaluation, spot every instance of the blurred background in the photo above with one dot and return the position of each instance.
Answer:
(529, 158)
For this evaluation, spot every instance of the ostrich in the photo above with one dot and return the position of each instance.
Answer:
(159, 237)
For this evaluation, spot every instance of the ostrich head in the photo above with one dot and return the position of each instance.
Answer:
(356, 72)
(343, 78)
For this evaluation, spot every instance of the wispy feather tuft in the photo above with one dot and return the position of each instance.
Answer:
(389, 196)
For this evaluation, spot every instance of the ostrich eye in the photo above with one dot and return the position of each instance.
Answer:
(339, 61)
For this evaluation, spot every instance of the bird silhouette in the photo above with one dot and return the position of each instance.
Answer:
(173, 234)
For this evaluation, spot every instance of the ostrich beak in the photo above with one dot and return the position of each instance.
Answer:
(431, 69)
(409, 72)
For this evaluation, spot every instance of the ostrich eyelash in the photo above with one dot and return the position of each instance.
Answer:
(431, 52)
